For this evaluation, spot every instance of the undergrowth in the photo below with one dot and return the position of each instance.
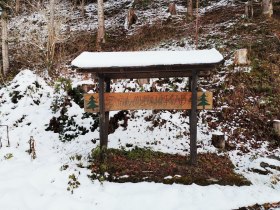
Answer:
(140, 164)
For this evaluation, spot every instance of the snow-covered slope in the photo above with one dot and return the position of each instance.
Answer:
(25, 106)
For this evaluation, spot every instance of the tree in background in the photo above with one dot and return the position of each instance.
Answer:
(51, 37)
(267, 8)
(17, 6)
(81, 4)
(83, 8)
(196, 25)
(190, 9)
(4, 18)
(101, 25)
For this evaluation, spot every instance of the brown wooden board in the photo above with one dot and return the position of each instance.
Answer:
(147, 100)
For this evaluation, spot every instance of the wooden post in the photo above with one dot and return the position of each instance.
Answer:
(193, 119)
(102, 121)
(190, 89)
(107, 89)
(190, 84)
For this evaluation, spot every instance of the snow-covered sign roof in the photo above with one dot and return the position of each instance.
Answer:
(141, 63)
(88, 60)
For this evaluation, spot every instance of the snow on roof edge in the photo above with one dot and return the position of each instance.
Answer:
(88, 60)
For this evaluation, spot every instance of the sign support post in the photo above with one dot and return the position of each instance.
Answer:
(102, 121)
(193, 118)
(107, 90)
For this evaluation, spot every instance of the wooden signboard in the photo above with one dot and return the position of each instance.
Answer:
(152, 101)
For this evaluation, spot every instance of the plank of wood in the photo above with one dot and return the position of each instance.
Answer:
(147, 100)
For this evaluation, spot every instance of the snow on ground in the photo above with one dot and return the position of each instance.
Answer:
(25, 106)
(42, 183)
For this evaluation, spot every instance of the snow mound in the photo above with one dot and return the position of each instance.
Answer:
(24, 106)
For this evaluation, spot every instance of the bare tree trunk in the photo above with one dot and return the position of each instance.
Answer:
(5, 55)
(17, 7)
(51, 37)
(196, 25)
(52, 3)
(75, 4)
(267, 8)
(83, 8)
(190, 9)
(101, 25)
(172, 8)
(39, 3)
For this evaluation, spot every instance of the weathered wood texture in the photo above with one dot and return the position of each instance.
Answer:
(155, 100)
(150, 71)
(102, 121)
(193, 117)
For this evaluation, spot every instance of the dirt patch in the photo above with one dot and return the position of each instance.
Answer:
(140, 165)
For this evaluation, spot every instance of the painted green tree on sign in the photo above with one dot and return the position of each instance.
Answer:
(203, 100)
(92, 104)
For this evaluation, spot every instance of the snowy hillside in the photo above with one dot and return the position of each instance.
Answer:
(49, 109)
(42, 183)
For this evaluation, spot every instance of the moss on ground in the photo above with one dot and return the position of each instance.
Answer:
(140, 165)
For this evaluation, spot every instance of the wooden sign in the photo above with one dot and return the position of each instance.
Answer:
(147, 100)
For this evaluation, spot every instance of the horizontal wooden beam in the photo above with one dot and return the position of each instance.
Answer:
(143, 75)
(147, 100)
(150, 71)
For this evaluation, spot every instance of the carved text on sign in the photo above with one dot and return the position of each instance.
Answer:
(147, 100)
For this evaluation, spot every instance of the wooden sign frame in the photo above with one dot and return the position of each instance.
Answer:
(104, 87)
(147, 64)
(147, 100)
